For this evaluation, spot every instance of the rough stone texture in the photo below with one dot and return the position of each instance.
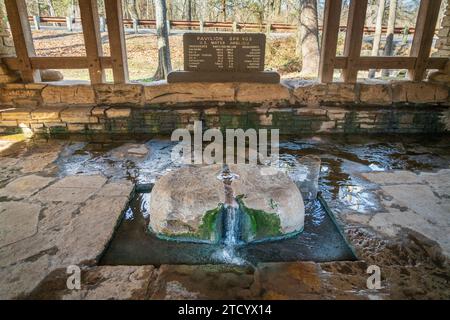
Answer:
(314, 94)
(407, 212)
(118, 112)
(49, 75)
(6, 47)
(119, 93)
(99, 283)
(182, 197)
(295, 107)
(202, 282)
(47, 113)
(130, 150)
(188, 92)
(91, 230)
(6, 75)
(77, 115)
(68, 94)
(443, 43)
(412, 204)
(375, 94)
(296, 280)
(61, 226)
(25, 186)
(270, 190)
(75, 189)
(247, 92)
(18, 220)
(420, 92)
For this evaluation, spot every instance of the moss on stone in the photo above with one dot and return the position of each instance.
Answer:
(260, 224)
(209, 229)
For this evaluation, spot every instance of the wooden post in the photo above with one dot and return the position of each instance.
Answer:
(92, 39)
(332, 16)
(235, 26)
(135, 25)
(69, 23)
(102, 25)
(423, 37)
(353, 38)
(23, 40)
(37, 22)
(116, 36)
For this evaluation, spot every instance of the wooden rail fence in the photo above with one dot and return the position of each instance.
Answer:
(96, 62)
(184, 24)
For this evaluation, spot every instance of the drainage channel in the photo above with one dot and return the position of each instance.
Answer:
(322, 240)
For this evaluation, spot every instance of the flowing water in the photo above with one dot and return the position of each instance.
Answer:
(343, 158)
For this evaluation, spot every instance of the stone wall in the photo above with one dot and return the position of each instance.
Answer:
(443, 44)
(293, 107)
(6, 43)
(6, 49)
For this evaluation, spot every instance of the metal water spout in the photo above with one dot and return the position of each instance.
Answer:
(227, 177)
(231, 217)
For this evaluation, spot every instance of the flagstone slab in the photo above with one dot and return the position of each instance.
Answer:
(18, 220)
(25, 186)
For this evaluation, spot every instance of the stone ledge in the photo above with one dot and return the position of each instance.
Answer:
(308, 93)
(68, 95)
(292, 119)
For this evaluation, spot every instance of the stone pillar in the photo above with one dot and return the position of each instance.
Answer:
(443, 44)
(443, 49)
(6, 43)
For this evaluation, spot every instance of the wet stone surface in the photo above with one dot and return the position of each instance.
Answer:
(388, 193)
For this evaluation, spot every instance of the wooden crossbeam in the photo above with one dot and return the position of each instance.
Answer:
(116, 36)
(23, 40)
(56, 63)
(366, 63)
(332, 16)
(423, 37)
(353, 38)
(92, 39)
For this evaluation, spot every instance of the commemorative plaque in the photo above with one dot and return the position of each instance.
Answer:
(224, 57)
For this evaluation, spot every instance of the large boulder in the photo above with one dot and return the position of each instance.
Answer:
(187, 203)
(49, 75)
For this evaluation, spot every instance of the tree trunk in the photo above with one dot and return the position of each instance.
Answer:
(377, 36)
(162, 34)
(389, 47)
(203, 10)
(132, 8)
(51, 9)
(308, 44)
(189, 11)
(224, 10)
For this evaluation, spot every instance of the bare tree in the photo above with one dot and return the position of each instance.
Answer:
(51, 9)
(378, 31)
(224, 10)
(308, 44)
(162, 33)
(203, 10)
(389, 47)
(132, 9)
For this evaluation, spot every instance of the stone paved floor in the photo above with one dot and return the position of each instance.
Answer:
(60, 201)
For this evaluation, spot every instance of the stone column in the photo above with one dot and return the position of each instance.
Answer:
(443, 44)
(6, 43)
(443, 49)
